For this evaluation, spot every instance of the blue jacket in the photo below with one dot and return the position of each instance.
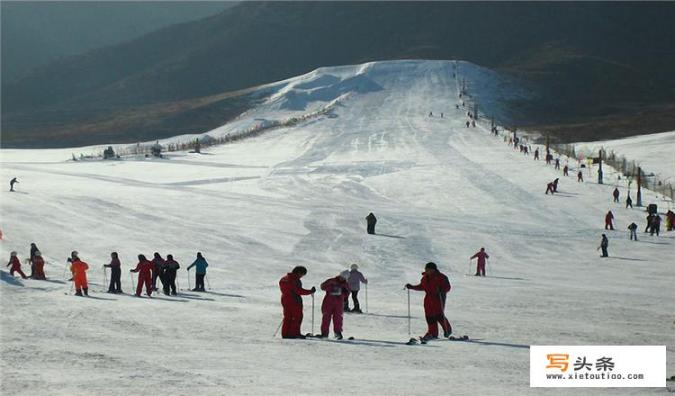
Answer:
(201, 265)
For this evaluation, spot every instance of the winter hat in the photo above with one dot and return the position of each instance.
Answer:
(354, 267)
(12, 254)
(431, 266)
(74, 253)
(344, 274)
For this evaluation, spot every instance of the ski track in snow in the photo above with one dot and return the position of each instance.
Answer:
(298, 196)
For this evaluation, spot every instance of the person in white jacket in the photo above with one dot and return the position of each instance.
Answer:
(355, 279)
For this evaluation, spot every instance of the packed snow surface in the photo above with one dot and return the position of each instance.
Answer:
(298, 196)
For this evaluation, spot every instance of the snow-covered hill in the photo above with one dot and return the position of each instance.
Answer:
(298, 196)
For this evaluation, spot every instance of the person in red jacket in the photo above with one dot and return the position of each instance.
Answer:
(436, 286)
(291, 302)
(145, 269)
(337, 291)
(79, 270)
(16, 265)
(608, 220)
(481, 256)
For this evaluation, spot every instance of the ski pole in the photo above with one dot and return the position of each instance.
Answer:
(312, 313)
(469, 267)
(278, 327)
(131, 275)
(188, 286)
(105, 278)
(366, 298)
(65, 267)
(409, 329)
(207, 281)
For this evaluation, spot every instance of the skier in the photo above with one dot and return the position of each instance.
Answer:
(436, 286)
(371, 220)
(633, 231)
(555, 185)
(481, 256)
(536, 154)
(566, 170)
(580, 177)
(549, 188)
(145, 271)
(200, 264)
(79, 270)
(616, 194)
(649, 222)
(467, 124)
(670, 220)
(609, 217)
(38, 266)
(16, 265)
(11, 184)
(171, 268)
(656, 224)
(33, 249)
(473, 123)
(115, 273)
(431, 114)
(337, 291)
(441, 115)
(291, 302)
(629, 202)
(158, 262)
(604, 244)
(557, 164)
(355, 279)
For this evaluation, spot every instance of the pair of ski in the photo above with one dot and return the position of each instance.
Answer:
(422, 340)
(320, 337)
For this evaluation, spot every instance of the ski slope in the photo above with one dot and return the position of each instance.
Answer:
(298, 196)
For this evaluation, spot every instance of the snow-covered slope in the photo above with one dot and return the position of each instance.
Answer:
(655, 152)
(298, 196)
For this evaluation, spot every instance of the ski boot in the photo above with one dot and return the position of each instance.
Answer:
(86, 291)
(357, 310)
(338, 336)
(78, 293)
(447, 333)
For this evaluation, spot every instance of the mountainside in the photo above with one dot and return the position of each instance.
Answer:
(36, 33)
(298, 195)
(586, 59)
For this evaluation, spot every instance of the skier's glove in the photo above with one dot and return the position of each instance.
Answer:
(408, 286)
(313, 289)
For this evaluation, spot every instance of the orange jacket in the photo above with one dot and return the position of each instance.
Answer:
(79, 268)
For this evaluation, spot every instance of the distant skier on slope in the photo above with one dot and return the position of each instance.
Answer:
(549, 188)
(332, 308)
(615, 194)
(480, 265)
(566, 170)
(557, 164)
(467, 124)
(670, 220)
(580, 177)
(536, 154)
(11, 184)
(171, 268)
(649, 222)
(436, 286)
(16, 265)
(633, 231)
(144, 268)
(371, 220)
(555, 185)
(354, 280)
(629, 202)
(33, 249)
(291, 302)
(115, 273)
(201, 265)
(38, 265)
(604, 244)
(609, 217)
(79, 270)
(656, 225)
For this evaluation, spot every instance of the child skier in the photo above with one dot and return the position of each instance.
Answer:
(608, 220)
(171, 267)
(480, 265)
(145, 269)
(604, 244)
(633, 231)
(354, 280)
(436, 286)
(115, 273)
(337, 290)
(291, 302)
(38, 266)
(79, 270)
(158, 262)
(16, 265)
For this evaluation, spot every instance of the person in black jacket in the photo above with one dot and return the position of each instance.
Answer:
(171, 267)
(115, 273)
(371, 220)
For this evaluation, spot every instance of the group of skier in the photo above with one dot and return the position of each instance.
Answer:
(148, 272)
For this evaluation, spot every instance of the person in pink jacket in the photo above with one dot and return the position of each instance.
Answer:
(481, 256)
(337, 290)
